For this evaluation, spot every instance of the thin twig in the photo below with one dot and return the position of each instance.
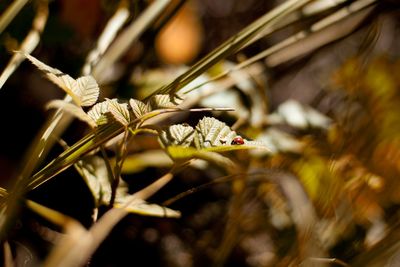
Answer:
(121, 156)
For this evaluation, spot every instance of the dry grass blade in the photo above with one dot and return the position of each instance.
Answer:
(62, 80)
(308, 10)
(3, 192)
(34, 155)
(321, 33)
(319, 6)
(232, 45)
(154, 187)
(29, 43)
(107, 36)
(10, 13)
(74, 233)
(329, 260)
(303, 214)
(128, 36)
(73, 109)
(7, 255)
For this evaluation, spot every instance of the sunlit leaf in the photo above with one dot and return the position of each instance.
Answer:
(87, 89)
(84, 91)
(180, 153)
(141, 207)
(246, 146)
(177, 135)
(73, 110)
(119, 111)
(139, 108)
(98, 111)
(212, 132)
(64, 81)
(94, 172)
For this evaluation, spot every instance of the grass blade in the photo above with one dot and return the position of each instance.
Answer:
(10, 13)
(122, 43)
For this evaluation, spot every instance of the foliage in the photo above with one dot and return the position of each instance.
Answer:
(271, 183)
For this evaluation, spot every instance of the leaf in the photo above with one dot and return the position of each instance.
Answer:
(141, 207)
(64, 81)
(87, 89)
(73, 110)
(94, 172)
(180, 152)
(119, 111)
(98, 111)
(83, 91)
(212, 132)
(139, 108)
(185, 153)
(164, 101)
(177, 135)
(246, 146)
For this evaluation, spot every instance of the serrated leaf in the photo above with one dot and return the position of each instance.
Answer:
(64, 81)
(164, 101)
(177, 135)
(94, 172)
(73, 110)
(212, 132)
(119, 111)
(87, 89)
(139, 108)
(141, 207)
(98, 112)
(84, 91)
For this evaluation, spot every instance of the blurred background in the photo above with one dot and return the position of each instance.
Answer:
(327, 106)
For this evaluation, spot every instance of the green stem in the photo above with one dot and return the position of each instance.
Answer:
(121, 156)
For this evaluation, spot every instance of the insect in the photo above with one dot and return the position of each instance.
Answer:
(238, 140)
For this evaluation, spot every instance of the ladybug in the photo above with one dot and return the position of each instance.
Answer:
(238, 140)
